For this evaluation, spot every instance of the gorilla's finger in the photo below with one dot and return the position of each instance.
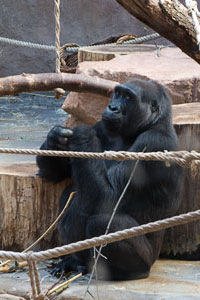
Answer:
(65, 132)
(62, 140)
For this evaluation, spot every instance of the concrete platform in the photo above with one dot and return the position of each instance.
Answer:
(169, 280)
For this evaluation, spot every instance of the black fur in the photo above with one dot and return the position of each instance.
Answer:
(137, 117)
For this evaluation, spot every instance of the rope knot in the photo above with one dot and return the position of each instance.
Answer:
(29, 256)
(59, 93)
(195, 167)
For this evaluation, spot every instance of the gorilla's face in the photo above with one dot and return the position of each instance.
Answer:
(132, 104)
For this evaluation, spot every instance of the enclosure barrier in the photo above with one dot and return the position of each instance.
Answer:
(183, 158)
(32, 257)
(186, 159)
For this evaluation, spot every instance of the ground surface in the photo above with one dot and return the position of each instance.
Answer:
(169, 280)
(25, 121)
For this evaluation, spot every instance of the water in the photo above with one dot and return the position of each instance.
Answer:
(25, 120)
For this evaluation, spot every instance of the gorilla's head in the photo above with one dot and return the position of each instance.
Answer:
(137, 106)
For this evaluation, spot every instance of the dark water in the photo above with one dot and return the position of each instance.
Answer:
(25, 120)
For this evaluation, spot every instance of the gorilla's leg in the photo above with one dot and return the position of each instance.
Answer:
(128, 259)
(71, 229)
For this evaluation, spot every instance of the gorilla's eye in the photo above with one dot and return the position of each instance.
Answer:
(128, 97)
(154, 107)
(117, 93)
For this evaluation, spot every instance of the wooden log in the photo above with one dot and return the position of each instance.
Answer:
(170, 18)
(49, 81)
(108, 52)
(29, 206)
(186, 238)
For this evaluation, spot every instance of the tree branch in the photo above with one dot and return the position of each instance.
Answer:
(170, 19)
(49, 81)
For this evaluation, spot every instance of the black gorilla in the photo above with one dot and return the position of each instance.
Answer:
(137, 117)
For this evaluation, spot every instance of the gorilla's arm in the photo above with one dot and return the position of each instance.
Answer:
(55, 168)
(152, 179)
(108, 183)
(86, 170)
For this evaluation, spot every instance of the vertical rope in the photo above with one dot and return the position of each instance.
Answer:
(59, 93)
(37, 280)
(34, 279)
(30, 266)
(57, 32)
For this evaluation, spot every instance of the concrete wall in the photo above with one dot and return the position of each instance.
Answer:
(82, 22)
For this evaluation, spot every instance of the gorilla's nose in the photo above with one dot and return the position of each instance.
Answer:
(114, 108)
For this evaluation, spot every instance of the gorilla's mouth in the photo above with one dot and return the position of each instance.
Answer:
(112, 121)
(113, 116)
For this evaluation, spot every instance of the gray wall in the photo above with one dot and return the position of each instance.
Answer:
(82, 22)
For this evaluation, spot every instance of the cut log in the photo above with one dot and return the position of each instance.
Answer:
(108, 52)
(29, 206)
(186, 238)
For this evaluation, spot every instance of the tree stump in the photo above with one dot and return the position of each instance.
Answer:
(108, 52)
(186, 238)
(29, 205)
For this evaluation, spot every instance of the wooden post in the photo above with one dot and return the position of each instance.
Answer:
(186, 238)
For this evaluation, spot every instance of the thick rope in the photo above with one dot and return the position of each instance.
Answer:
(37, 280)
(26, 44)
(139, 40)
(104, 239)
(57, 33)
(59, 93)
(183, 158)
(32, 280)
(146, 38)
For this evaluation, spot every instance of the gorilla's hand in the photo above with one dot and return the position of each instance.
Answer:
(57, 138)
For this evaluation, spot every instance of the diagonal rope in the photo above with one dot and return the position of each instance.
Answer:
(104, 239)
(94, 269)
(139, 40)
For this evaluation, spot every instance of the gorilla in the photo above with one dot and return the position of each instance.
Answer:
(138, 117)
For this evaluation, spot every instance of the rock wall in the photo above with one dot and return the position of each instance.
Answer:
(82, 22)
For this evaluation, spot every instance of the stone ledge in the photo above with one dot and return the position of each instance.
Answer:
(174, 69)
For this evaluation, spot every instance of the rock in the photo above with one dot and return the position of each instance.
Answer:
(172, 69)
(84, 108)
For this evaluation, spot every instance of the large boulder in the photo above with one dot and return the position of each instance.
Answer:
(172, 68)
